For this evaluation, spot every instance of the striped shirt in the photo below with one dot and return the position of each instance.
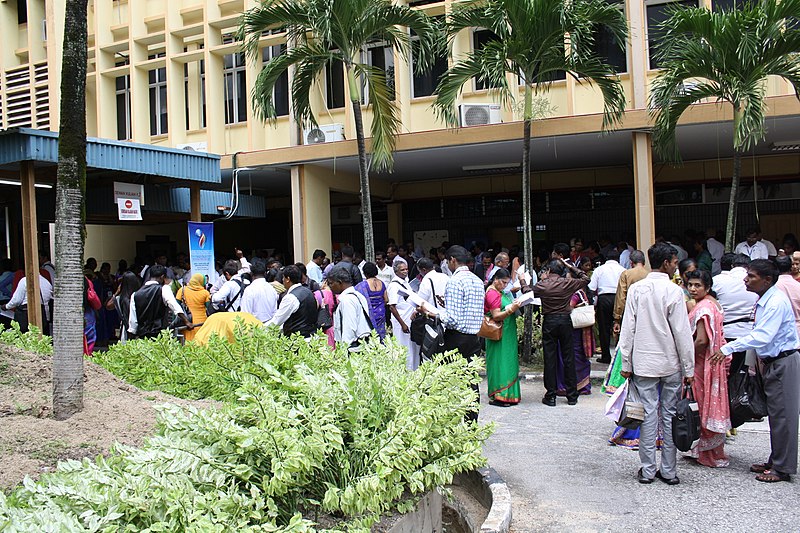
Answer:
(464, 302)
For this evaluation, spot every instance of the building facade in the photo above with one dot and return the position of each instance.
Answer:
(169, 73)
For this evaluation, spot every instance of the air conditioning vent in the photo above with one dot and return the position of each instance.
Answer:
(479, 114)
(193, 147)
(325, 133)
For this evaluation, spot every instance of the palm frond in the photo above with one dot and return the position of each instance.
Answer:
(288, 14)
(385, 117)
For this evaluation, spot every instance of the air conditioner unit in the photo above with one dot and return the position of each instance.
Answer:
(193, 147)
(479, 114)
(325, 133)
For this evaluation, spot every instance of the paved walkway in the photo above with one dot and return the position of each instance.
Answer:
(563, 476)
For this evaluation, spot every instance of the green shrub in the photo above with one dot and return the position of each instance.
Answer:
(537, 355)
(32, 340)
(304, 434)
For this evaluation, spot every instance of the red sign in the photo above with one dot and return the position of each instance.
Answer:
(128, 204)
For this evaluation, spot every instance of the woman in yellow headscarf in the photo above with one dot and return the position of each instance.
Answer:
(195, 295)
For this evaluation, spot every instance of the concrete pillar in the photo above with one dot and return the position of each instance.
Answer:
(643, 190)
(394, 214)
(194, 200)
(298, 227)
(30, 242)
(311, 211)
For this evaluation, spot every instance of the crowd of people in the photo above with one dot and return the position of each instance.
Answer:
(695, 317)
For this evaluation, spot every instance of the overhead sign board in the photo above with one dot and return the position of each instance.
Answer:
(130, 191)
(129, 209)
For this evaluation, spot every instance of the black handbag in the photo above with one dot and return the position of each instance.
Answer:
(686, 421)
(747, 397)
(419, 324)
(433, 342)
(185, 306)
(324, 318)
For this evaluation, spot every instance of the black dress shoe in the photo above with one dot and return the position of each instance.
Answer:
(671, 481)
(643, 480)
(550, 402)
(572, 402)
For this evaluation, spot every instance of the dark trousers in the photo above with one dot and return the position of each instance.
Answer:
(605, 321)
(557, 333)
(468, 346)
(783, 404)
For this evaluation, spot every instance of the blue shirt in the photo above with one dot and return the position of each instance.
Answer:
(774, 330)
(463, 300)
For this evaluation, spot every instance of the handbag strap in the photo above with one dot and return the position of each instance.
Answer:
(584, 300)
(688, 392)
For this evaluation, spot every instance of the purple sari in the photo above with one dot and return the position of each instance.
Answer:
(377, 306)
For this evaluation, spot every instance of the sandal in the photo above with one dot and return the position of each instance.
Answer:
(760, 468)
(773, 476)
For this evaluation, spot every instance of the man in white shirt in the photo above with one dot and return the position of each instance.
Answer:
(736, 301)
(297, 311)
(716, 249)
(351, 323)
(314, 267)
(260, 299)
(657, 350)
(402, 313)
(45, 264)
(19, 304)
(385, 271)
(161, 259)
(604, 283)
(229, 297)
(752, 246)
(150, 304)
(433, 285)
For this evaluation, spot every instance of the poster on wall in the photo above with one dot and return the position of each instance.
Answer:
(201, 247)
(425, 240)
(129, 209)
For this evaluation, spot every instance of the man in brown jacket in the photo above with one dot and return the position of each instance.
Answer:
(637, 273)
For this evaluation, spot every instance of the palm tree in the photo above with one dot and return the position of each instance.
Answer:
(725, 56)
(536, 41)
(333, 32)
(70, 190)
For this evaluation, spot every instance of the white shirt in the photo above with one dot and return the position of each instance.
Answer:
(385, 274)
(350, 321)
(231, 292)
(770, 247)
(166, 296)
(682, 254)
(216, 283)
(439, 281)
(736, 301)
(50, 268)
(757, 251)
(244, 265)
(289, 304)
(313, 271)
(445, 268)
(260, 300)
(774, 330)
(625, 258)
(656, 340)
(606, 277)
(404, 308)
(716, 249)
(20, 296)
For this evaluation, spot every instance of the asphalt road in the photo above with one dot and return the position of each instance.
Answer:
(564, 476)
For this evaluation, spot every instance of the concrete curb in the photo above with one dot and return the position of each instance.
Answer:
(486, 485)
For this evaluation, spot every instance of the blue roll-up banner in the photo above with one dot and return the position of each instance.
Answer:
(201, 247)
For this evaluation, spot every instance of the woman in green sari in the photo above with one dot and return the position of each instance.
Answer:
(502, 361)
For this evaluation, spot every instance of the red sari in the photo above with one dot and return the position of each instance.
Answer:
(711, 387)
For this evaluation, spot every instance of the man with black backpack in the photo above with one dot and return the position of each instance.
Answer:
(347, 264)
(229, 297)
(297, 310)
(150, 306)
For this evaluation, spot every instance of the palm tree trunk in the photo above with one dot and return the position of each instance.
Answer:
(71, 178)
(527, 229)
(363, 170)
(733, 201)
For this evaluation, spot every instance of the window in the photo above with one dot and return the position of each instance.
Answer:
(22, 11)
(479, 39)
(280, 94)
(123, 107)
(657, 12)
(234, 71)
(607, 48)
(334, 84)
(158, 99)
(425, 84)
(381, 56)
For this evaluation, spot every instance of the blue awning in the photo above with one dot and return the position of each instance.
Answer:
(24, 144)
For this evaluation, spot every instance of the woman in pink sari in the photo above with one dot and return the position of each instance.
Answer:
(710, 378)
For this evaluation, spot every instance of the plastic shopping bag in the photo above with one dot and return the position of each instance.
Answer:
(616, 403)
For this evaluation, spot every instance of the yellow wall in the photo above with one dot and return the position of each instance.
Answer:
(114, 242)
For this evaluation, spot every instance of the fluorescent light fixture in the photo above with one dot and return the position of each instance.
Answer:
(785, 146)
(489, 168)
(19, 184)
(223, 208)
